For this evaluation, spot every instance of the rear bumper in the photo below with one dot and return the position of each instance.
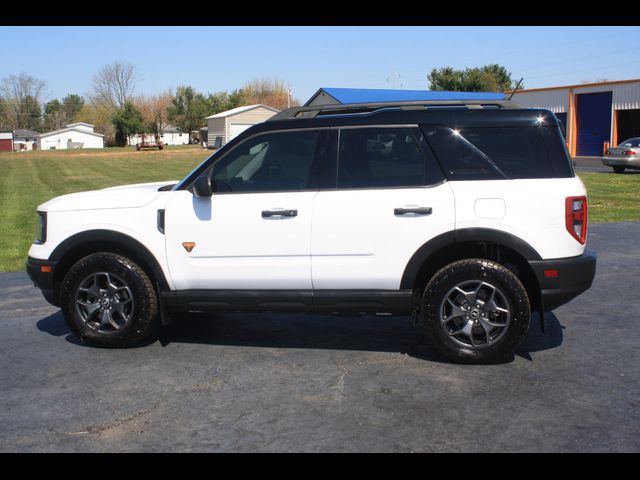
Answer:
(629, 162)
(572, 277)
(42, 280)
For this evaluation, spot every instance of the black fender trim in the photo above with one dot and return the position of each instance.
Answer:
(463, 235)
(118, 238)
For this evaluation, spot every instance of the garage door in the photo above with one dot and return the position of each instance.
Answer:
(6, 145)
(236, 129)
(594, 123)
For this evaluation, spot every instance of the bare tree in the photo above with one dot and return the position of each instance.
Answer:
(100, 117)
(114, 84)
(21, 96)
(154, 111)
(271, 92)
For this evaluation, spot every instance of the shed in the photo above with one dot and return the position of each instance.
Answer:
(336, 96)
(6, 140)
(232, 123)
(72, 136)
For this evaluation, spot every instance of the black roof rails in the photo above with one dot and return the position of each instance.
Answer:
(362, 108)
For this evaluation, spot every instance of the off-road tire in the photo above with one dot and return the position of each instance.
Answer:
(144, 318)
(470, 270)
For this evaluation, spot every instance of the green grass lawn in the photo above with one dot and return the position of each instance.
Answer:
(28, 179)
(612, 197)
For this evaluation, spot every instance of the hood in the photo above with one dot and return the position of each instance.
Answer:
(127, 196)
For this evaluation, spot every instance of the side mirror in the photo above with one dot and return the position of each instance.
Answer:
(202, 186)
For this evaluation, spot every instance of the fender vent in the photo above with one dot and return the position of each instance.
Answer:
(160, 221)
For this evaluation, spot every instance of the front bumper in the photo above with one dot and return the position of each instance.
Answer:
(43, 279)
(563, 279)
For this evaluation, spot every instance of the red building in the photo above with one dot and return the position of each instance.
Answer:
(6, 141)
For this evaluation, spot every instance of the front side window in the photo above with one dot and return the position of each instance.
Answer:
(267, 163)
(379, 157)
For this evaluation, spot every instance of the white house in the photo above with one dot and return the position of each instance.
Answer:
(232, 123)
(74, 135)
(170, 135)
(24, 139)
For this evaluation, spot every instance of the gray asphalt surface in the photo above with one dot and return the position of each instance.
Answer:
(320, 383)
(594, 164)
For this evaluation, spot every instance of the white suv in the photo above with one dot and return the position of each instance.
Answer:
(466, 215)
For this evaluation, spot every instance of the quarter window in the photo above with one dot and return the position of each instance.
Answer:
(379, 157)
(490, 153)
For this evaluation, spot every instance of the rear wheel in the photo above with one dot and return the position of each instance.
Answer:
(109, 301)
(476, 311)
(619, 169)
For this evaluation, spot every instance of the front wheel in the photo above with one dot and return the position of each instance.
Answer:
(476, 311)
(109, 301)
(619, 169)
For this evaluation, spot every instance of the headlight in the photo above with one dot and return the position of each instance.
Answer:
(42, 234)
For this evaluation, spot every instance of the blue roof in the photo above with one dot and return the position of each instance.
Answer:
(366, 95)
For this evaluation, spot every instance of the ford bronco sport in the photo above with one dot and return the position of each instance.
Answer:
(466, 215)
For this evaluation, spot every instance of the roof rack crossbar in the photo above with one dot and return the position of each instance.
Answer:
(353, 108)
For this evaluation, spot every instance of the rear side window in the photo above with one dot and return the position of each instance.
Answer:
(379, 157)
(490, 153)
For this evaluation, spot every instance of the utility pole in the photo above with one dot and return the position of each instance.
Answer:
(393, 77)
(289, 97)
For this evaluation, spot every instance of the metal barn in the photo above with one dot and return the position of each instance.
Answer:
(595, 115)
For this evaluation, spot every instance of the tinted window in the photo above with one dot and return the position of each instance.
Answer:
(379, 157)
(270, 162)
(490, 153)
(562, 120)
(558, 153)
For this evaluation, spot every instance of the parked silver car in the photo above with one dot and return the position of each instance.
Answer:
(625, 155)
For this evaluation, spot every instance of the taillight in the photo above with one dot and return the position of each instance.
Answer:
(628, 152)
(576, 217)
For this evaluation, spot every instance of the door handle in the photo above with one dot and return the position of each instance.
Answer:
(279, 213)
(413, 211)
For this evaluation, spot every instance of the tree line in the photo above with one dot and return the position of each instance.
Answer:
(117, 110)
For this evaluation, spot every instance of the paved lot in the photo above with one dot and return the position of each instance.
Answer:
(319, 383)
(594, 164)
(590, 164)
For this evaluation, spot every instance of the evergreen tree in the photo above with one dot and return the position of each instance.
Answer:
(127, 122)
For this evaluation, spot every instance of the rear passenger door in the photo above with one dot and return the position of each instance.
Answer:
(388, 198)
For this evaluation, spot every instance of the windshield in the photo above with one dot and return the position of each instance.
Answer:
(632, 142)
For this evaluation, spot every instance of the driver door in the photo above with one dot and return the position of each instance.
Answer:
(254, 232)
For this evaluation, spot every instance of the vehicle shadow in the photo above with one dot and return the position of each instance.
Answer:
(359, 333)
